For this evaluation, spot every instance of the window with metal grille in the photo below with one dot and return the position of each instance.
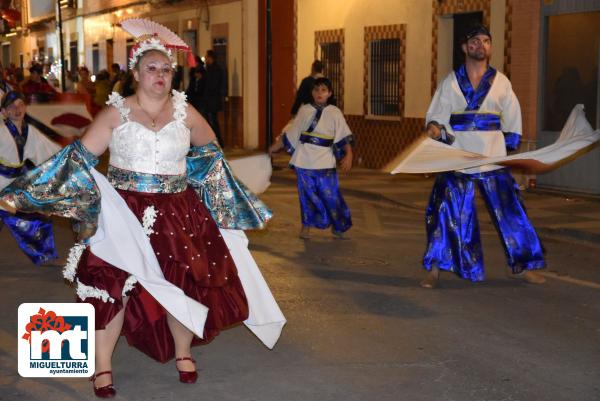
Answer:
(331, 57)
(384, 77)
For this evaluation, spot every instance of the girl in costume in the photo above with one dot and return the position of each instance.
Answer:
(317, 137)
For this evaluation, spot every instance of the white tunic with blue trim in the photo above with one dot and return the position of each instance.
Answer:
(500, 100)
(332, 127)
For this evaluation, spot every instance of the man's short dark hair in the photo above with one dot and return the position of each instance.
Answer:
(36, 68)
(211, 54)
(474, 30)
(317, 66)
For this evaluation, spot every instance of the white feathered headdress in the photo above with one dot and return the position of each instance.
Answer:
(150, 35)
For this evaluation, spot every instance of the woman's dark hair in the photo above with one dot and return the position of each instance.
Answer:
(326, 82)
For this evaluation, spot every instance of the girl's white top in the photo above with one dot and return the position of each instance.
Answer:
(332, 125)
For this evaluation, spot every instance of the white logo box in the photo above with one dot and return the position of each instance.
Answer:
(43, 353)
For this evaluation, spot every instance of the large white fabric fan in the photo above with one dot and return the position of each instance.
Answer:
(138, 27)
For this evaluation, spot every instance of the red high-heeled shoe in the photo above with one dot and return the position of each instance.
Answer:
(104, 391)
(187, 377)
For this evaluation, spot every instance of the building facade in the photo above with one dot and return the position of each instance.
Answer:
(92, 37)
(385, 59)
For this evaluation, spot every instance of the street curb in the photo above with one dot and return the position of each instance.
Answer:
(565, 234)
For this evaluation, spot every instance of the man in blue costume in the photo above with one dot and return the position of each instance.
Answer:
(475, 109)
(21, 147)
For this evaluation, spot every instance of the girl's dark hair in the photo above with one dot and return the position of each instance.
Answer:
(326, 82)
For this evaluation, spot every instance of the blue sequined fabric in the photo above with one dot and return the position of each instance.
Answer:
(61, 186)
(512, 140)
(454, 242)
(230, 203)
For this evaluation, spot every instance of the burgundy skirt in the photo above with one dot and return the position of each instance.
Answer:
(192, 255)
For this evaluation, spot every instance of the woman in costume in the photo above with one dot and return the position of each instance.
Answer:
(318, 136)
(22, 146)
(163, 261)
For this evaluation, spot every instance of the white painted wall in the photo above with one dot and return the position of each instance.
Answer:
(353, 16)
(498, 10)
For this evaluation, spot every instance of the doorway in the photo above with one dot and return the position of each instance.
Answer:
(462, 23)
(569, 76)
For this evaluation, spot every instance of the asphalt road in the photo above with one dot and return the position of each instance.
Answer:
(359, 326)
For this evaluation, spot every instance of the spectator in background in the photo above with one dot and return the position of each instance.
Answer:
(304, 93)
(115, 73)
(36, 89)
(125, 86)
(50, 76)
(177, 78)
(195, 89)
(70, 81)
(214, 91)
(103, 88)
(19, 77)
(85, 84)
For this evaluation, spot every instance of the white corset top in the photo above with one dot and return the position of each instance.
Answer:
(134, 147)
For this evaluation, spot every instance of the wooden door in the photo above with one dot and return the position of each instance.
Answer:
(282, 66)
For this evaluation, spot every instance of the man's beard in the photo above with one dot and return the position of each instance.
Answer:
(478, 55)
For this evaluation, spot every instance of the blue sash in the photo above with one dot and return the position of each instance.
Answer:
(313, 138)
(13, 171)
(475, 122)
(316, 139)
(316, 118)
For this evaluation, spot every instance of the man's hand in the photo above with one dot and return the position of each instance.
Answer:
(7, 208)
(434, 131)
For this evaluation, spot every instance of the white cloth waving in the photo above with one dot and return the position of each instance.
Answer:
(430, 156)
